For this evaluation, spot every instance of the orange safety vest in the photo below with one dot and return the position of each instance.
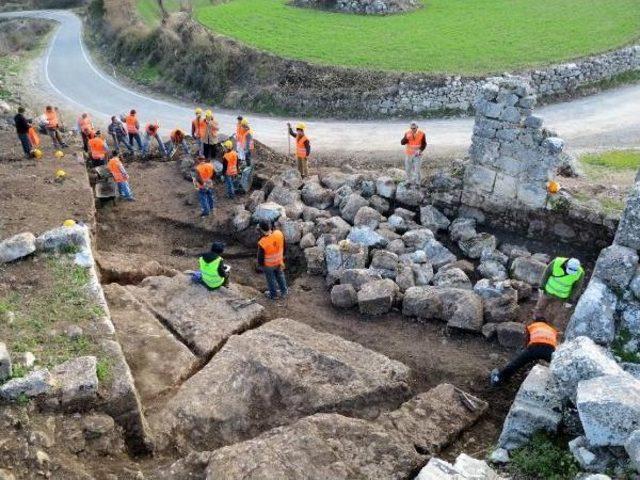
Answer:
(115, 167)
(52, 119)
(239, 130)
(210, 132)
(34, 138)
(301, 150)
(97, 148)
(232, 162)
(86, 126)
(241, 136)
(205, 172)
(132, 124)
(152, 128)
(542, 333)
(273, 247)
(199, 127)
(414, 142)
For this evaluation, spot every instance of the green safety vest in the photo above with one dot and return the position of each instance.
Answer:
(210, 275)
(560, 283)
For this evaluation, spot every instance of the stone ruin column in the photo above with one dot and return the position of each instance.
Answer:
(512, 155)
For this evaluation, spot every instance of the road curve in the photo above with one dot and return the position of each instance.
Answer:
(609, 119)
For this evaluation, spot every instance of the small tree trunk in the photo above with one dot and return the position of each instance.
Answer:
(162, 9)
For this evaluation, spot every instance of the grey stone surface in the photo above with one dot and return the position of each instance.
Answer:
(386, 187)
(254, 372)
(344, 296)
(437, 254)
(16, 247)
(404, 277)
(268, 212)
(628, 233)
(500, 302)
(33, 384)
(380, 204)
(367, 237)
(422, 274)
(345, 255)
(314, 195)
(616, 266)
(351, 205)
(386, 262)
(314, 257)
(377, 297)
(367, 217)
(451, 277)
(474, 246)
(5, 363)
(609, 408)
(594, 314)
(410, 195)
(511, 334)
(493, 270)
(461, 309)
(334, 225)
(284, 196)
(76, 382)
(462, 229)
(358, 277)
(528, 270)
(417, 239)
(632, 447)
(307, 241)
(62, 238)
(241, 220)
(433, 219)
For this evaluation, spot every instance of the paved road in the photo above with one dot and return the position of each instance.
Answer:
(610, 119)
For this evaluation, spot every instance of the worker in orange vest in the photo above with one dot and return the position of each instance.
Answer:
(85, 127)
(204, 183)
(271, 259)
(244, 141)
(52, 126)
(198, 129)
(229, 167)
(541, 342)
(152, 130)
(303, 148)
(177, 139)
(120, 176)
(210, 137)
(133, 129)
(98, 149)
(415, 142)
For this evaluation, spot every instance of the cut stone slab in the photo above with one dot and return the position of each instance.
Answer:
(594, 314)
(609, 409)
(129, 268)
(158, 361)
(76, 383)
(376, 298)
(284, 368)
(537, 406)
(528, 270)
(461, 309)
(16, 247)
(344, 296)
(33, 384)
(202, 319)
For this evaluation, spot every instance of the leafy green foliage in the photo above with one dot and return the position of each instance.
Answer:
(623, 337)
(103, 369)
(544, 458)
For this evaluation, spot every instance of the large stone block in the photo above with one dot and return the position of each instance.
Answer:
(609, 408)
(367, 237)
(532, 196)
(367, 217)
(16, 247)
(268, 212)
(345, 255)
(378, 297)
(386, 187)
(62, 238)
(433, 219)
(528, 270)
(409, 194)
(506, 186)
(463, 229)
(479, 178)
(344, 296)
(314, 257)
(451, 277)
(580, 359)
(314, 195)
(594, 314)
(511, 334)
(437, 254)
(474, 246)
(284, 196)
(351, 205)
(616, 266)
(461, 309)
(358, 277)
(628, 233)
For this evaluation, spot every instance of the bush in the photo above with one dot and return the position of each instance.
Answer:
(544, 458)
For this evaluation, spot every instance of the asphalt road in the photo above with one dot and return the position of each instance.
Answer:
(609, 119)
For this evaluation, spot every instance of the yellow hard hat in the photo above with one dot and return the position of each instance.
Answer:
(59, 154)
(37, 153)
(300, 126)
(228, 144)
(208, 113)
(60, 173)
(198, 111)
(553, 187)
(244, 122)
(69, 223)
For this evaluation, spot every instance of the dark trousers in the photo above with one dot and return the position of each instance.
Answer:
(26, 143)
(210, 150)
(136, 137)
(531, 354)
(85, 141)
(275, 280)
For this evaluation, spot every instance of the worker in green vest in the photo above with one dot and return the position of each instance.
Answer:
(213, 273)
(562, 282)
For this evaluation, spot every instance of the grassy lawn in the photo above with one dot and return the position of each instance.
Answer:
(616, 160)
(446, 36)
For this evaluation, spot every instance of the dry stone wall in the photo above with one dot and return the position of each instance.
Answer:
(365, 7)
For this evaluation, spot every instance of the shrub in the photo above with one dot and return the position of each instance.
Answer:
(544, 458)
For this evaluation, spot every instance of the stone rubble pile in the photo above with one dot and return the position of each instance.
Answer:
(365, 7)
(381, 247)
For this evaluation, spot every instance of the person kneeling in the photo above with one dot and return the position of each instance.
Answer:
(213, 272)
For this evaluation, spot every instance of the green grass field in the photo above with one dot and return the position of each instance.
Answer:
(617, 160)
(446, 36)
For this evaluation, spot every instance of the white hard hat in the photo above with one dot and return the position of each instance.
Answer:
(573, 265)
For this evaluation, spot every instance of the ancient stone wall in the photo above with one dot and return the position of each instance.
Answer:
(363, 7)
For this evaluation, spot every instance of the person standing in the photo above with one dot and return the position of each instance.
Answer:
(133, 129)
(52, 126)
(271, 259)
(198, 129)
(561, 283)
(98, 149)
(85, 127)
(244, 142)
(212, 272)
(415, 142)
(153, 131)
(541, 341)
(210, 138)
(303, 148)
(118, 134)
(204, 183)
(120, 176)
(229, 167)
(22, 130)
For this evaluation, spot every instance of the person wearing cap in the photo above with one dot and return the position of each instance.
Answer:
(303, 148)
(415, 142)
(229, 167)
(541, 341)
(271, 259)
(213, 273)
(562, 282)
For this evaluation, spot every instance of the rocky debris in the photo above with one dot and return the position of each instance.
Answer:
(511, 334)
(63, 238)
(464, 468)
(344, 296)
(367, 237)
(451, 277)
(333, 446)
(514, 251)
(609, 408)
(284, 196)
(386, 187)
(537, 406)
(594, 314)
(158, 361)
(385, 262)
(5, 363)
(616, 266)
(315, 196)
(202, 319)
(129, 268)
(314, 258)
(409, 194)
(474, 246)
(580, 359)
(377, 297)
(16, 247)
(76, 384)
(255, 371)
(437, 254)
(528, 270)
(632, 446)
(367, 217)
(344, 255)
(351, 205)
(33, 384)
(462, 229)
(357, 277)
(461, 309)
(268, 212)
(433, 219)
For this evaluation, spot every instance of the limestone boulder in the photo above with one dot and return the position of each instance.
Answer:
(76, 384)
(422, 274)
(344, 296)
(63, 238)
(433, 219)
(461, 309)
(34, 384)
(437, 254)
(352, 204)
(334, 226)
(451, 277)
(367, 217)
(514, 251)
(284, 196)
(528, 270)
(386, 187)
(594, 314)
(268, 212)
(417, 239)
(255, 198)
(380, 204)
(473, 247)
(616, 266)
(307, 241)
(314, 258)
(404, 276)
(345, 255)
(129, 268)
(289, 178)
(462, 229)
(16, 247)
(294, 210)
(291, 229)
(632, 446)
(315, 372)
(493, 270)
(357, 277)
(241, 220)
(377, 297)
(628, 233)
(501, 305)
(334, 180)
(494, 256)
(409, 194)
(312, 214)
(314, 195)
(386, 262)
(367, 237)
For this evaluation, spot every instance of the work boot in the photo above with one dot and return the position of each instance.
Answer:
(204, 214)
(269, 296)
(494, 379)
